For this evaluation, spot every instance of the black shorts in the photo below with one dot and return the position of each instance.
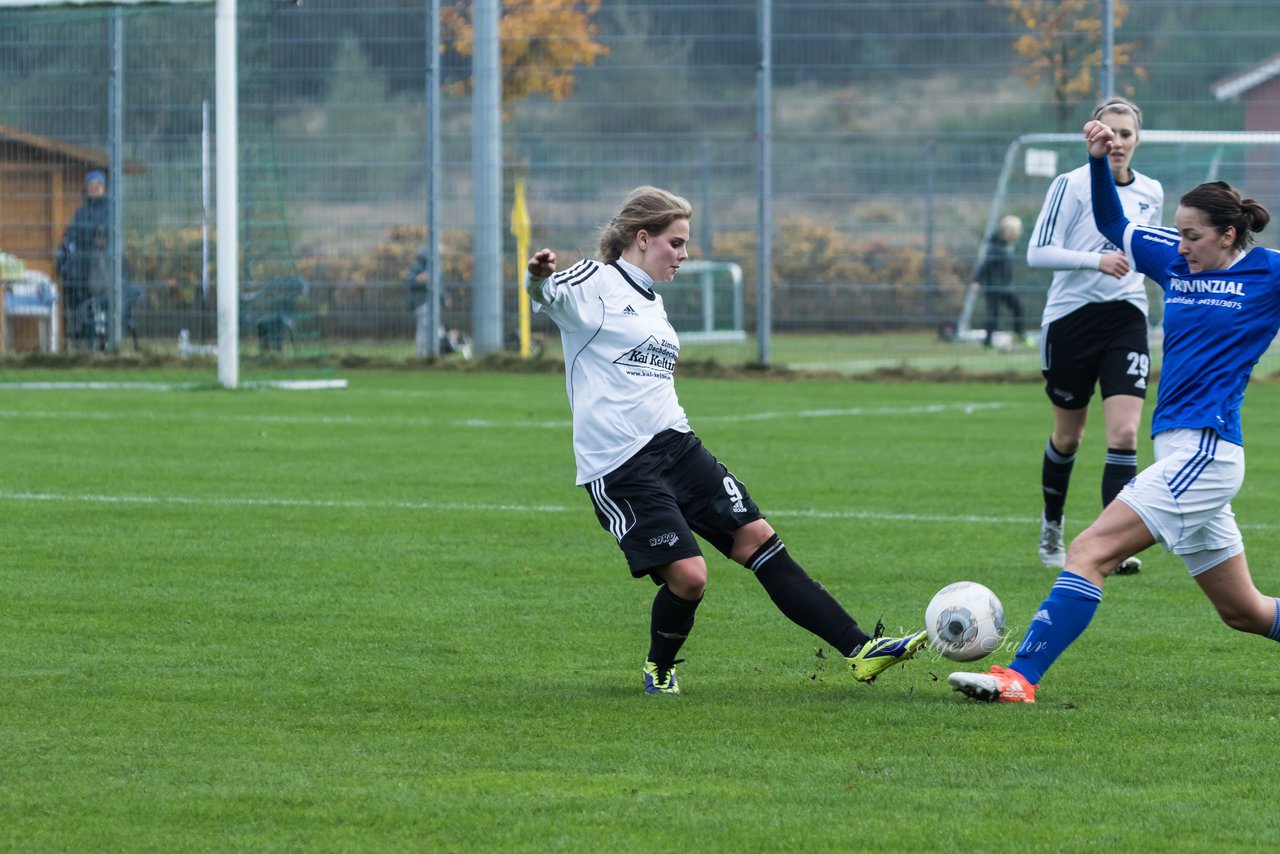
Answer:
(671, 489)
(1103, 343)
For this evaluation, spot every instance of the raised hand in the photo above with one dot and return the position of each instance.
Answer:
(1098, 138)
(542, 264)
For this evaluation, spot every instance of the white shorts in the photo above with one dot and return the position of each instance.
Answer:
(1184, 497)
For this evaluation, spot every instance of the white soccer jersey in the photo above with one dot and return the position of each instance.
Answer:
(1066, 240)
(620, 356)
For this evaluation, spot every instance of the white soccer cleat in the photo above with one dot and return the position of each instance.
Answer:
(1053, 551)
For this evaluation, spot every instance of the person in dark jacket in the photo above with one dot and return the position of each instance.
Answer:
(418, 297)
(82, 261)
(995, 278)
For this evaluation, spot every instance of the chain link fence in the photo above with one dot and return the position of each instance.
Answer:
(892, 123)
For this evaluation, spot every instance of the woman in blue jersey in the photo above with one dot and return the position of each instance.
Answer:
(653, 484)
(1094, 326)
(1222, 310)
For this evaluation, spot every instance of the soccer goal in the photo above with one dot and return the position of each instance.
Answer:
(705, 303)
(1179, 159)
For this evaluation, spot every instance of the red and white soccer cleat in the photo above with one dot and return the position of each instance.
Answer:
(997, 685)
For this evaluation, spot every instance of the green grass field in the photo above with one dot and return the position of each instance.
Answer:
(383, 619)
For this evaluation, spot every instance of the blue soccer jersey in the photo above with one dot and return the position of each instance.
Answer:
(1217, 323)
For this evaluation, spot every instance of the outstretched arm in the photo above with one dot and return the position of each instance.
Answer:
(1108, 215)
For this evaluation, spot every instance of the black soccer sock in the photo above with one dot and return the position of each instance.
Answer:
(669, 624)
(1055, 477)
(804, 601)
(1121, 467)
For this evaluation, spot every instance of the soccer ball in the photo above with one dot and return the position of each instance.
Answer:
(965, 621)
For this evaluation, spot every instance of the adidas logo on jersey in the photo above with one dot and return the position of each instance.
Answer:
(739, 507)
(630, 312)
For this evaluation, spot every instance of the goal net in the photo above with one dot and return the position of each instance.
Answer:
(705, 302)
(1179, 159)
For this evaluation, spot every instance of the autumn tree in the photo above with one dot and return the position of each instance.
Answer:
(542, 41)
(1062, 47)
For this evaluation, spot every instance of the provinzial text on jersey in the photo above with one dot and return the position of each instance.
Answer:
(1207, 286)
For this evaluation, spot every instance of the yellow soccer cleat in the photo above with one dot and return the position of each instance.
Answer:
(880, 653)
(660, 680)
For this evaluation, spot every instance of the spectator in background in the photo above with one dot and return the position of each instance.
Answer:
(418, 296)
(82, 261)
(995, 278)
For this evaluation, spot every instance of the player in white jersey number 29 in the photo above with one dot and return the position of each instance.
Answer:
(1094, 326)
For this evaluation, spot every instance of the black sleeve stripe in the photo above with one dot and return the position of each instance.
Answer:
(564, 275)
(578, 273)
(1054, 207)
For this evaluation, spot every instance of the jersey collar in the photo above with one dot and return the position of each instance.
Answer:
(628, 270)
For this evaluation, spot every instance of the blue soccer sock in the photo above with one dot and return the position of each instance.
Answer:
(1062, 617)
(1274, 634)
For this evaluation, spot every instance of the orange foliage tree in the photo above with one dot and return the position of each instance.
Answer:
(542, 42)
(1063, 46)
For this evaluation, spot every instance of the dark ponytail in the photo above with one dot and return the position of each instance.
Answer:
(1223, 208)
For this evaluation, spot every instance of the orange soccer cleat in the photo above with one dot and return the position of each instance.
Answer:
(997, 685)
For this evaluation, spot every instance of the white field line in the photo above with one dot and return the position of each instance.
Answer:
(482, 507)
(104, 385)
(464, 507)
(555, 424)
(302, 503)
(922, 409)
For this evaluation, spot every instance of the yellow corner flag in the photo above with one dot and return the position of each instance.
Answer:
(521, 228)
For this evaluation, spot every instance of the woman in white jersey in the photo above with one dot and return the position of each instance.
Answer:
(1094, 327)
(1222, 311)
(651, 481)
